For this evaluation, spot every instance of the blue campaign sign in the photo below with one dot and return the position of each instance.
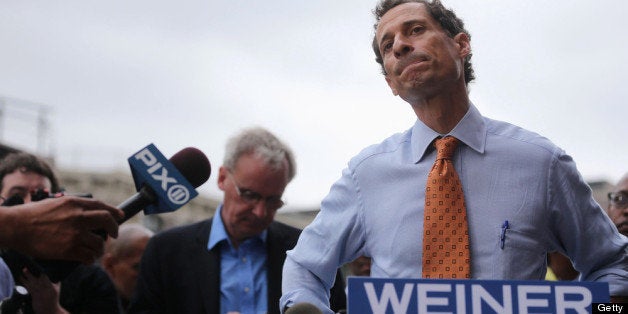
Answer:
(368, 295)
(150, 167)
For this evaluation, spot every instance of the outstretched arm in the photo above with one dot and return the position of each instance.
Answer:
(59, 228)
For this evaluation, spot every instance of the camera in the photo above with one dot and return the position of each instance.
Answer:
(56, 270)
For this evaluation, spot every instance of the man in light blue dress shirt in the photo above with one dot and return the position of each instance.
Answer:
(230, 263)
(617, 208)
(516, 182)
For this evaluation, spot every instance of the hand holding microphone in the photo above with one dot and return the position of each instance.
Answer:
(62, 231)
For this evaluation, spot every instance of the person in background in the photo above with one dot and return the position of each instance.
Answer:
(617, 208)
(617, 211)
(506, 196)
(121, 260)
(559, 267)
(360, 266)
(24, 178)
(230, 263)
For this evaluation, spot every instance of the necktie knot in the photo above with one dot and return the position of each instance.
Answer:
(445, 147)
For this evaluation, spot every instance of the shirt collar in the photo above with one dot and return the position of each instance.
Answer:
(471, 130)
(219, 234)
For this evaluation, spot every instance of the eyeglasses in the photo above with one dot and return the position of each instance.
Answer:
(619, 200)
(253, 198)
(20, 195)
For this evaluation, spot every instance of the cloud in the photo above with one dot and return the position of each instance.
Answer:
(119, 75)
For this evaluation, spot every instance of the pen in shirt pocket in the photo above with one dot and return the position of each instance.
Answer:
(502, 237)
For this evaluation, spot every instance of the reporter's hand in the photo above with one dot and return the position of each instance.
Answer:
(59, 228)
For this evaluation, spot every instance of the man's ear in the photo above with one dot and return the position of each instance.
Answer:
(464, 44)
(391, 85)
(222, 176)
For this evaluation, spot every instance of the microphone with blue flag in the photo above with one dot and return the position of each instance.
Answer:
(164, 185)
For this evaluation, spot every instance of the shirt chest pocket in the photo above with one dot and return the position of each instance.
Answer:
(518, 255)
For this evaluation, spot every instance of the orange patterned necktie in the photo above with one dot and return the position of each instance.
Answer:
(445, 229)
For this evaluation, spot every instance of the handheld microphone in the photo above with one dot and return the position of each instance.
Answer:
(190, 162)
(303, 308)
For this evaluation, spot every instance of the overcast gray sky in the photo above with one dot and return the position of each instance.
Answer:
(119, 75)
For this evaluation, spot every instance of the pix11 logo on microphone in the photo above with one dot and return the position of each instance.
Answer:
(150, 167)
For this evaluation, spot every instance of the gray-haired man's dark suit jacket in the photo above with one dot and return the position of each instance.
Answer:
(179, 275)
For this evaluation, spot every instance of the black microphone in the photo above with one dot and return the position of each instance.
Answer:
(191, 163)
(303, 308)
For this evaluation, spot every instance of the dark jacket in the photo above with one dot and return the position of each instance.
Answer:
(179, 275)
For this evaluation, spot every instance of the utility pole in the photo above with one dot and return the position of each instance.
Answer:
(43, 129)
(18, 114)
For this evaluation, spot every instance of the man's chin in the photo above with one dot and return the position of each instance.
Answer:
(252, 231)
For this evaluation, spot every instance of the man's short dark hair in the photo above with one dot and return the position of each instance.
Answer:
(27, 162)
(451, 24)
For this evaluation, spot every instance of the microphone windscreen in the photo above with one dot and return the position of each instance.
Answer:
(303, 308)
(193, 165)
